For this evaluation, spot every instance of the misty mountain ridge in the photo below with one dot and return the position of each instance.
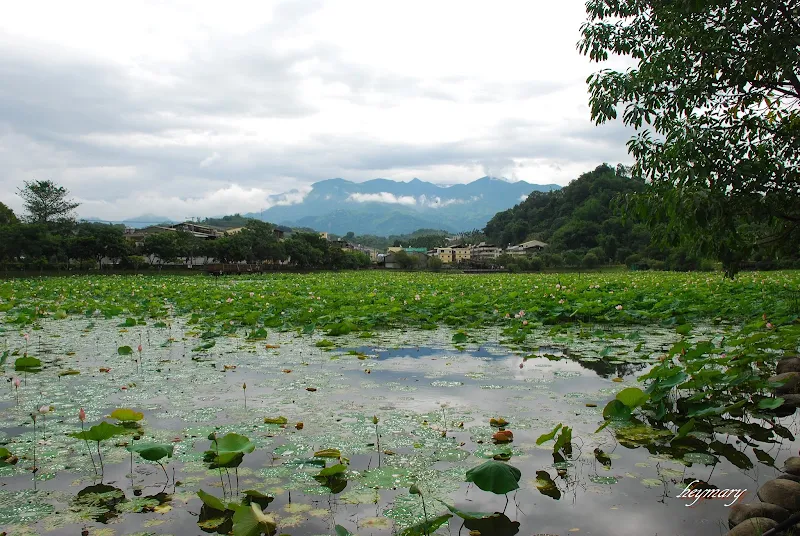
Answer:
(383, 206)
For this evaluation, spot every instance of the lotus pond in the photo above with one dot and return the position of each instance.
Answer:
(375, 403)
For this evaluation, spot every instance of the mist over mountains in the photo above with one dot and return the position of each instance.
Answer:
(383, 207)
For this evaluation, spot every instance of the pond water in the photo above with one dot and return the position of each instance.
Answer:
(433, 402)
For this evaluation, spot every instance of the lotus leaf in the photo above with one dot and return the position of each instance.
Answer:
(152, 452)
(328, 453)
(99, 432)
(427, 527)
(495, 477)
(252, 521)
(633, 397)
(548, 436)
(126, 414)
(125, 350)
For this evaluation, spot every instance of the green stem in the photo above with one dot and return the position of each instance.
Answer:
(102, 469)
(425, 512)
(90, 450)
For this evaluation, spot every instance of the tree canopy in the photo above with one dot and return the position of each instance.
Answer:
(7, 216)
(46, 202)
(714, 98)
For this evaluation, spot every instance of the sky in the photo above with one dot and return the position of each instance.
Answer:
(204, 108)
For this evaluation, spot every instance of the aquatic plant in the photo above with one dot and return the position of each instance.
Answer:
(98, 433)
(153, 452)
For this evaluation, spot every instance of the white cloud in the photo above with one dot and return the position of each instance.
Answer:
(383, 197)
(210, 160)
(290, 92)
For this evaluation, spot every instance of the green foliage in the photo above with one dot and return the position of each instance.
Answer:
(719, 147)
(544, 438)
(99, 432)
(151, 452)
(251, 521)
(46, 202)
(125, 350)
(495, 477)
(126, 414)
(228, 450)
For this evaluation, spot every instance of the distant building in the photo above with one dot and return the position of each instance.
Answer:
(462, 254)
(484, 253)
(530, 247)
(444, 254)
(324, 236)
(394, 249)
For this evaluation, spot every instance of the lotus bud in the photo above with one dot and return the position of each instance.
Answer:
(244, 386)
(16, 382)
(82, 415)
(139, 348)
(374, 419)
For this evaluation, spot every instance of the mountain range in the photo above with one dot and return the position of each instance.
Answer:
(385, 207)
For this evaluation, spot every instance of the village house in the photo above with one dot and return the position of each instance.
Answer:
(530, 247)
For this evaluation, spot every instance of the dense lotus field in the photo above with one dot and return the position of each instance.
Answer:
(388, 403)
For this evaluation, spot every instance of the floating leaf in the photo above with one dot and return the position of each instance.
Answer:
(276, 420)
(460, 337)
(126, 414)
(125, 350)
(463, 514)
(427, 527)
(328, 453)
(616, 410)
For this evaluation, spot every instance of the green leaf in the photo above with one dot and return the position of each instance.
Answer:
(124, 350)
(495, 477)
(251, 521)
(463, 514)
(328, 453)
(685, 429)
(126, 414)
(546, 485)
(99, 432)
(254, 496)
(212, 502)
(276, 420)
(633, 397)
(616, 410)
(232, 443)
(548, 436)
(683, 329)
(428, 527)
(341, 531)
(333, 470)
(564, 439)
(459, 338)
(152, 452)
(770, 403)
(27, 363)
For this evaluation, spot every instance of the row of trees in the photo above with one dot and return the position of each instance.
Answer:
(49, 236)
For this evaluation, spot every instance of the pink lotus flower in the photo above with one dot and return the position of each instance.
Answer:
(769, 325)
(618, 308)
(44, 409)
(524, 322)
(522, 313)
(82, 415)
(26, 336)
(16, 382)
(139, 348)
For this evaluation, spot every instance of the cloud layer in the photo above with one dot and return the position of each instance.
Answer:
(209, 108)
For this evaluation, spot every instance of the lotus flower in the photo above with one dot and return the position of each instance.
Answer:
(618, 308)
(139, 348)
(82, 415)
(16, 383)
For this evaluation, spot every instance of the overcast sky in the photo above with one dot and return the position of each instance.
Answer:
(203, 108)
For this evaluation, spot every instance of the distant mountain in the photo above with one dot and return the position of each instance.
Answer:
(384, 207)
(145, 220)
